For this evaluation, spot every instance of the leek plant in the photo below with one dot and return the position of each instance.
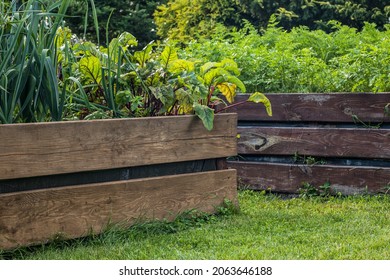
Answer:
(29, 69)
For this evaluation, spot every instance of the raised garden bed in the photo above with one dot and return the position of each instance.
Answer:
(338, 141)
(71, 179)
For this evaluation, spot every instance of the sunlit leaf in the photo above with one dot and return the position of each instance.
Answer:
(127, 40)
(168, 55)
(228, 90)
(143, 56)
(180, 65)
(124, 41)
(230, 65)
(90, 67)
(237, 82)
(208, 66)
(259, 97)
(215, 76)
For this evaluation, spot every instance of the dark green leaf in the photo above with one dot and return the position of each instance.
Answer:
(206, 114)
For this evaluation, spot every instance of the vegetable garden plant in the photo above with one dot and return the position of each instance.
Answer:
(49, 74)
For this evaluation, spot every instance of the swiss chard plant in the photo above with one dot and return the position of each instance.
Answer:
(47, 73)
(119, 82)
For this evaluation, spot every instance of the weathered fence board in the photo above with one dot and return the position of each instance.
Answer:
(38, 216)
(318, 141)
(39, 149)
(347, 134)
(337, 107)
(287, 178)
(74, 178)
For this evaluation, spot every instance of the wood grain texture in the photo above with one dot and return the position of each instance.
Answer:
(38, 216)
(288, 178)
(39, 149)
(332, 107)
(322, 142)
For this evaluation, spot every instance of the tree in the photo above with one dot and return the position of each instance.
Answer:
(315, 14)
(184, 19)
(134, 16)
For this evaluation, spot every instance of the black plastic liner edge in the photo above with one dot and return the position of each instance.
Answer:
(101, 176)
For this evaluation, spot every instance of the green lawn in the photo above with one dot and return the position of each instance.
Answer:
(266, 227)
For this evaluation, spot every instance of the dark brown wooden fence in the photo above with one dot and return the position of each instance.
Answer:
(342, 140)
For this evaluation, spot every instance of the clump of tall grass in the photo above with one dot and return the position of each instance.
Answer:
(29, 89)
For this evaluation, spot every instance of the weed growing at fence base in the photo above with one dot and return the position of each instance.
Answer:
(267, 227)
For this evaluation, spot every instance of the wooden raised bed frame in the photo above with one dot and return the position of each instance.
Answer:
(347, 133)
(43, 149)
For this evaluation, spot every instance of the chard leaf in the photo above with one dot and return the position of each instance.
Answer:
(259, 97)
(168, 55)
(206, 114)
(143, 56)
(186, 101)
(228, 90)
(180, 65)
(230, 65)
(215, 76)
(208, 66)
(90, 67)
(237, 82)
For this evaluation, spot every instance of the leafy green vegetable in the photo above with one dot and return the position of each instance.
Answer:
(206, 114)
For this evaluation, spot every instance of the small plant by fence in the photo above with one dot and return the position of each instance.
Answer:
(337, 143)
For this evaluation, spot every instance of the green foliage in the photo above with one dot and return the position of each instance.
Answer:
(308, 191)
(135, 17)
(258, 97)
(301, 60)
(120, 82)
(315, 14)
(29, 88)
(308, 160)
(48, 73)
(387, 109)
(184, 20)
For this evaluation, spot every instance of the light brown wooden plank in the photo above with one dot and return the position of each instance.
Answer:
(287, 178)
(38, 149)
(321, 142)
(37, 216)
(305, 107)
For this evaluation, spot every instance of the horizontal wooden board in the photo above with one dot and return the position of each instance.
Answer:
(321, 142)
(40, 149)
(38, 216)
(330, 107)
(288, 178)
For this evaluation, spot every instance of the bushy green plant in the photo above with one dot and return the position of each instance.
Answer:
(119, 82)
(135, 17)
(275, 60)
(48, 73)
(183, 19)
